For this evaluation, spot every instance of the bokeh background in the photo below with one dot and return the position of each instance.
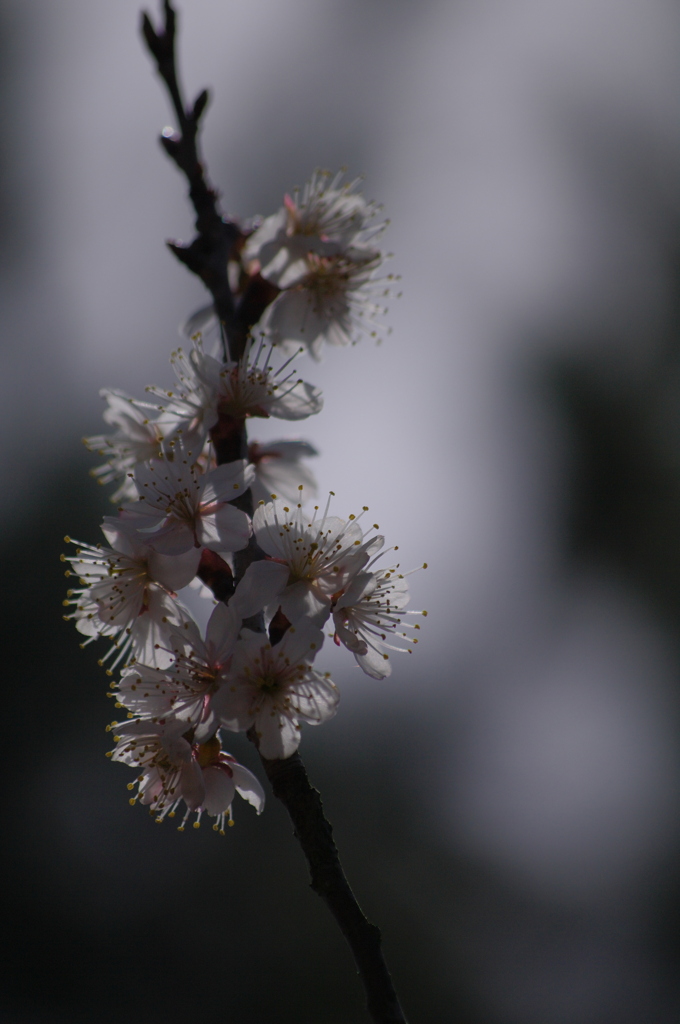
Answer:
(507, 803)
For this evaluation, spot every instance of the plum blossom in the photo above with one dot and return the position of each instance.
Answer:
(326, 219)
(336, 301)
(274, 688)
(279, 469)
(310, 559)
(128, 593)
(185, 690)
(136, 439)
(173, 768)
(180, 507)
(209, 389)
(369, 609)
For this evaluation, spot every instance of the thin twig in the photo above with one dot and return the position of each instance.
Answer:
(291, 786)
(218, 238)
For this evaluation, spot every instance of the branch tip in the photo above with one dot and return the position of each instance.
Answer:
(200, 103)
(149, 32)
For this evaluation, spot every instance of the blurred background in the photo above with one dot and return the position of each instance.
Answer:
(506, 804)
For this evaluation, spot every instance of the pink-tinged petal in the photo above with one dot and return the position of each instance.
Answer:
(153, 787)
(208, 726)
(350, 640)
(361, 588)
(278, 737)
(192, 789)
(261, 585)
(174, 571)
(374, 664)
(227, 530)
(301, 643)
(173, 538)
(305, 601)
(185, 638)
(248, 786)
(298, 402)
(315, 700)
(178, 750)
(151, 631)
(219, 790)
(221, 632)
(226, 482)
(121, 538)
(232, 705)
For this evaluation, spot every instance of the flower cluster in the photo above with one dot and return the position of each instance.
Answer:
(241, 523)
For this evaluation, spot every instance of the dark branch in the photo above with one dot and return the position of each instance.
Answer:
(291, 786)
(218, 238)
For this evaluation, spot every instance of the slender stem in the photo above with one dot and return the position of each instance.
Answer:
(218, 238)
(291, 786)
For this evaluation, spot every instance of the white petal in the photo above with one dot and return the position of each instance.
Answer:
(248, 786)
(261, 584)
(301, 401)
(279, 737)
(227, 530)
(219, 790)
(227, 481)
(174, 571)
(191, 785)
(374, 664)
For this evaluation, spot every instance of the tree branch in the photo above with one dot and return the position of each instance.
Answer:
(218, 238)
(291, 786)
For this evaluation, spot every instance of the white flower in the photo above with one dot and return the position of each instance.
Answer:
(279, 470)
(310, 560)
(209, 389)
(136, 439)
(337, 301)
(274, 688)
(180, 507)
(185, 690)
(326, 219)
(371, 608)
(127, 592)
(173, 769)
